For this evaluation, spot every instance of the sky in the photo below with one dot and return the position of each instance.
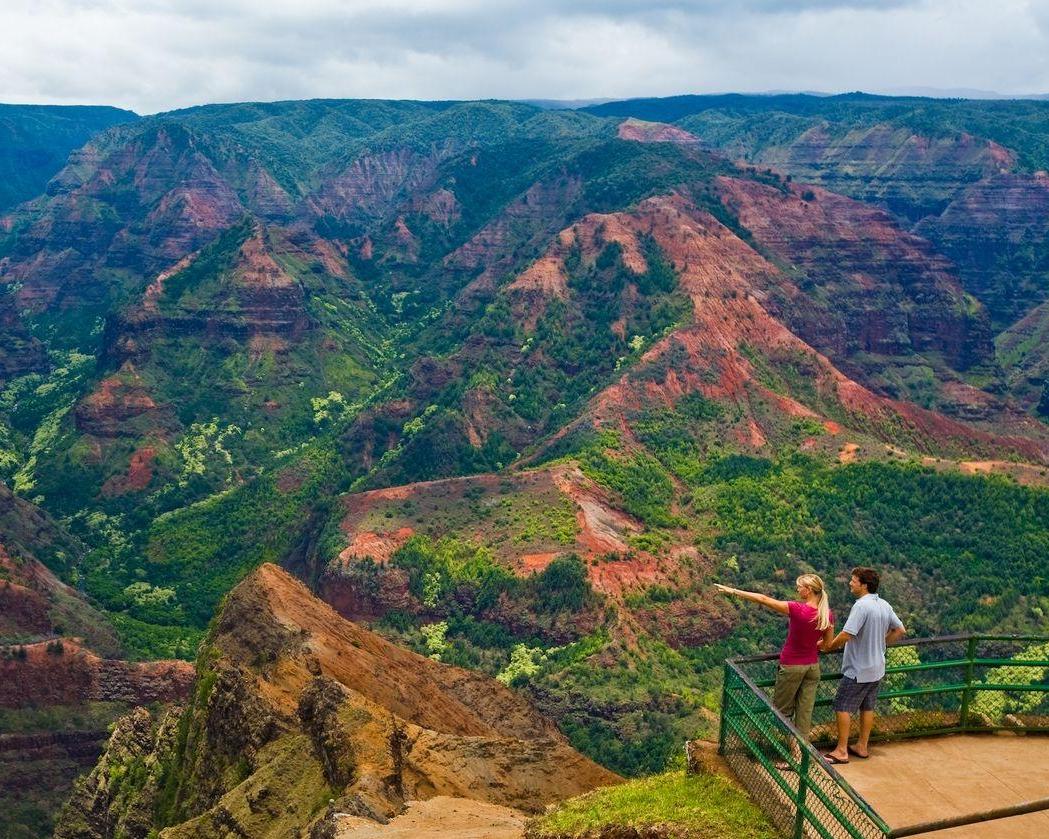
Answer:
(154, 55)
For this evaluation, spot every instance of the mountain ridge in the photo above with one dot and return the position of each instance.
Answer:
(280, 673)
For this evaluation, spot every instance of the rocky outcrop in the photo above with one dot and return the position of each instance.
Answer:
(138, 477)
(59, 697)
(120, 796)
(361, 592)
(296, 705)
(121, 406)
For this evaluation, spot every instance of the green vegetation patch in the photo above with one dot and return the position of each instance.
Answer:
(642, 482)
(205, 549)
(685, 806)
(629, 709)
(961, 553)
(462, 581)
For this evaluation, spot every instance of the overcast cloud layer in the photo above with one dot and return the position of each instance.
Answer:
(153, 55)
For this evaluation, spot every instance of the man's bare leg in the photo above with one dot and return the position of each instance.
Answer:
(866, 724)
(844, 721)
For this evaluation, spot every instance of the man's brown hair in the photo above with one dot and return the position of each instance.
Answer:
(868, 576)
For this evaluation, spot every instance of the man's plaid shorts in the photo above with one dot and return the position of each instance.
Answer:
(855, 696)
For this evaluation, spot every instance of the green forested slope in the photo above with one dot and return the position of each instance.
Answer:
(36, 139)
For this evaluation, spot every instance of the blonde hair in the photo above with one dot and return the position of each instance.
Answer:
(815, 584)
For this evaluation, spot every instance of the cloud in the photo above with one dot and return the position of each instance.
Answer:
(159, 54)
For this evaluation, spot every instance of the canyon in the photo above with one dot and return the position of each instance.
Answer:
(423, 427)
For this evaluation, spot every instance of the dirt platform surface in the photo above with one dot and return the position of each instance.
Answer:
(917, 781)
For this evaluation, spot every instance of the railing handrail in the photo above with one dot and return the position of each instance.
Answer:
(1023, 808)
(909, 642)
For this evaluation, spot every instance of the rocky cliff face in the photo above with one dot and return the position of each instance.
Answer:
(372, 184)
(294, 706)
(911, 173)
(38, 768)
(967, 176)
(881, 290)
(62, 672)
(991, 231)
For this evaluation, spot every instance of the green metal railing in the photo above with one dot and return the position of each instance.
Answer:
(946, 685)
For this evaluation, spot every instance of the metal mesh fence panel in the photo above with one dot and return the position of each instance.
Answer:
(1009, 684)
(783, 775)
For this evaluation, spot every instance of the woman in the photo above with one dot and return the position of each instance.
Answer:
(810, 624)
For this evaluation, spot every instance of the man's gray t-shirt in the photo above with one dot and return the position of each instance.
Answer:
(869, 622)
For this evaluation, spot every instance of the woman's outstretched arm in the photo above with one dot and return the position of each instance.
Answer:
(781, 606)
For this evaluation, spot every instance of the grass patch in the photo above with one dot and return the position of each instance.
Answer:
(687, 806)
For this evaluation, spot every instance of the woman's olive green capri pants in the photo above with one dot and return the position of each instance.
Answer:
(795, 693)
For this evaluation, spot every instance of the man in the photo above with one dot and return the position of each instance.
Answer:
(871, 625)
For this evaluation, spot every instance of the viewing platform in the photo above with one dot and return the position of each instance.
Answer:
(960, 748)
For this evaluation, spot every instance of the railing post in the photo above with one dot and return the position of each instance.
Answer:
(970, 655)
(724, 710)
(803, 786)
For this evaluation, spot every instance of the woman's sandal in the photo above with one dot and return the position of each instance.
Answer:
(855, 753)
(836, 760)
